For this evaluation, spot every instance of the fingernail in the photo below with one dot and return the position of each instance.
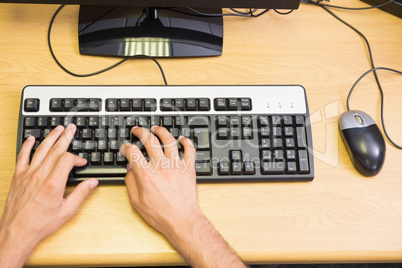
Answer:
(30, 138)
(69, 126)
(93, 184)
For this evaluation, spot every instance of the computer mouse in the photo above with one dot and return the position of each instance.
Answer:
(364, 142)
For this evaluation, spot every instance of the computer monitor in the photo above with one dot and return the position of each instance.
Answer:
(157, 28)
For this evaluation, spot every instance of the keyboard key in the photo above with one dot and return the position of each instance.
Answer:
(90, 146)
(204, 104)
(102, 145)
(248, 168)
(203, 168)
(292, 169)
(232, 104)
(100, 171)
(272, 167)
(303, 161)
(108, 158)
(202, 156)
(149, 105)
(95, 158)
(202, 138)
(191, 105)
(94, 104)
(82, 104)
(236, 168)
(198, 121)
(136, 105)
(220, 104)
(56, 105)
(224, 168)
(301, 137)
(30, 122)
(55, 121)
(32, 132)
(166, 104)
(42, 122)
(86, 134)
(125, 105)
(111, 105)
(245, 104)
(31, 105)
(236, 156)
(69, 104)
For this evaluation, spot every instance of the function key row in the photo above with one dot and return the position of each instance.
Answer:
(79, 105)
(190, 104)
(140, 105)
(126, 105)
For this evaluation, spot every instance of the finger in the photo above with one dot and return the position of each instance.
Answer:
(46, 145)
(24, 154)
(168, 141)
(150, 142)
(134, 156)
(189, 149)
(75, 199)
(60, 147)
(62, 168)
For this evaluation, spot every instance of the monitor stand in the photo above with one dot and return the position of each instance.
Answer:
(127, 31)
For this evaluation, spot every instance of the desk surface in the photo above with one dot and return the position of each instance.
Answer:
(339, 217)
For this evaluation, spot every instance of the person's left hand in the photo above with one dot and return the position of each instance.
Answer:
(36, 206)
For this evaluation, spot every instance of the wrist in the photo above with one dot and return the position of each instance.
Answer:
(14, 248)
(202, 245)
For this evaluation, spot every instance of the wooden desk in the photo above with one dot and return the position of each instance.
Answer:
(339, 217)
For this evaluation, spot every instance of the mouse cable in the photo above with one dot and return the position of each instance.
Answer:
(373, 69)
(382, 100)
(318, 3)
(100, 71)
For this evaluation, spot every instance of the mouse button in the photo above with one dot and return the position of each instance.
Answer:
(347, 121)
(366, 119)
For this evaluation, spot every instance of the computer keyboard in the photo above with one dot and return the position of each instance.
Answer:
(241, 133)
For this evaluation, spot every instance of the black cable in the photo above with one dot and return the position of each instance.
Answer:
(237, 14)
(283, 13)
(318, 3)
(382, 99)
(373, 69)
(97, 72)
(242, 12)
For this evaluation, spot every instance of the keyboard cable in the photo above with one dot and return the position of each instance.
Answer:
(102, 70)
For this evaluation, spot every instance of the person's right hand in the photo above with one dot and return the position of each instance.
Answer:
(164, 189)
(164, 192)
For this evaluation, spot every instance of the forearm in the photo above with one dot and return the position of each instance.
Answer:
(203, 246)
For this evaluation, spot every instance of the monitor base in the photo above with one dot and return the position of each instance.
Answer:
(156, 32)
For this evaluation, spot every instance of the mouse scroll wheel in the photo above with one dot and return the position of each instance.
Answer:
(359, 119)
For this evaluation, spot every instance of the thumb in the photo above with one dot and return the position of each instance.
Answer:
(74, 199)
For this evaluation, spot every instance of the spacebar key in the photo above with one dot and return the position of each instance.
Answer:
(100, 171)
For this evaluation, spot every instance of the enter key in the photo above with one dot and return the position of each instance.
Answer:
(202, 138)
